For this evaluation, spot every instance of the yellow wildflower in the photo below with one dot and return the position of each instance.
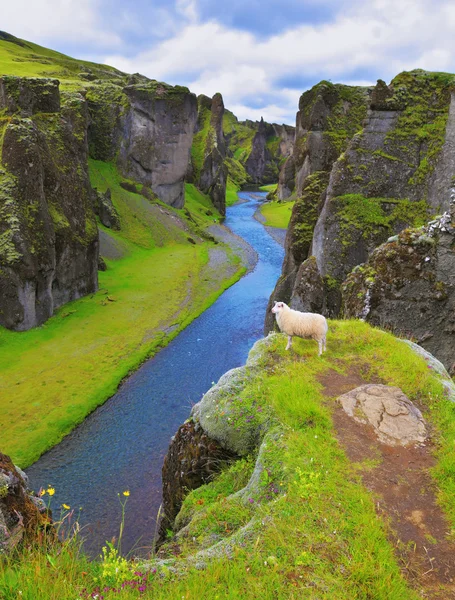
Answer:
(66, 507)
(50, 491)
(41, 493)
(126, 493)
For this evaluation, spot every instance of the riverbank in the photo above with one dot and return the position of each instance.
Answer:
(278, 233)
(53, 376)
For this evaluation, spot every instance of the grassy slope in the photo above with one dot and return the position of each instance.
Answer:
(277, 214)
(319, 536)
(62, 370)
(31, 60)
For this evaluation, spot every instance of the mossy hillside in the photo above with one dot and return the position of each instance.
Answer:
(75, 361)
(307, 527)
(239, 136)
(26, 59)
(277, 214)
(237, 178)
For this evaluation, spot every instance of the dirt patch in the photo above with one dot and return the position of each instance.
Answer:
(406, 495)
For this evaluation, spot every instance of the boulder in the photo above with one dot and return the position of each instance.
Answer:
(394, 418)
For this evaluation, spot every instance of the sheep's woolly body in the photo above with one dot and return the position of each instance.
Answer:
(306, 325)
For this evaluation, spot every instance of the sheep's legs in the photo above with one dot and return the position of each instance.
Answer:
(321, 344)
(289, 342)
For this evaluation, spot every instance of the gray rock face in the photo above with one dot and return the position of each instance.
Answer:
(286, 179)
(48, 233)
(408, 285)
(260, 156)
(214, 172)
(29, 96)
(156, 138)
(394, 417)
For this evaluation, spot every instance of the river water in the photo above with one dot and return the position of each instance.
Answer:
(121, 446)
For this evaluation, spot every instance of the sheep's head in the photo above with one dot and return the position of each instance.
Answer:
(278, 306)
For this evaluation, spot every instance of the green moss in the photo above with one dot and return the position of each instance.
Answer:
(10, 219)
(424, 99)
(305, 214)
(372, 216)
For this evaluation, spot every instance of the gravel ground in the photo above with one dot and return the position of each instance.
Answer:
(247, 254)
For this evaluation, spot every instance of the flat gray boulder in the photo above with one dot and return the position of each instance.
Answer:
(395, 419)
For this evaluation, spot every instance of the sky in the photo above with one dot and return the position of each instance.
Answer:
(260, 54)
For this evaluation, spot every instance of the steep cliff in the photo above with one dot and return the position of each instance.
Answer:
(394, 173)
(208, 166)
(147, 126)
(48, 233)
(328, 116)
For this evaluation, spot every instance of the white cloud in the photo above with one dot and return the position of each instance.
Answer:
(381, 37)
(363, 41)
(67, 20)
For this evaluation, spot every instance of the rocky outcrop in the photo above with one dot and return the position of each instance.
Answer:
(260, 157)
(214, 170)
(105, 210)
(48, 233)
(23, 515)
(156, 138)
(147, 126)
(193, 459)
(408, 285)
(393, 174)
(394, 418)
(222, 428)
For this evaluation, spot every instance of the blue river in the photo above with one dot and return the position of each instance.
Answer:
(121, 446)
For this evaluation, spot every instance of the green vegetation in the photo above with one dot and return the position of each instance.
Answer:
(62, 370)
(424, 99)
(240, 136)
(308, 527)
(376, 215)
(25, 59)
(277, 214)
(271, 187)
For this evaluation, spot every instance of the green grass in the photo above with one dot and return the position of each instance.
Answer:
(271, 187)
(62, 370)
(313, 528)
(277, 214)
(32, 60)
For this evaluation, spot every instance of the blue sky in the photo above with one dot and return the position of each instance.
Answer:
(260, 54)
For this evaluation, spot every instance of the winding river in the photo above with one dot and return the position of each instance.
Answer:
(121, 446)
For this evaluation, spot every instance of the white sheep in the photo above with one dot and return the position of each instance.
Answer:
(305, 325)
